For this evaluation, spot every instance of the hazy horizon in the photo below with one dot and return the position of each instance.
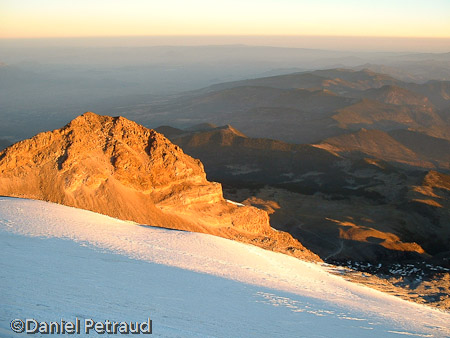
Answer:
(292, 23)
(364, 25)
(339, 43)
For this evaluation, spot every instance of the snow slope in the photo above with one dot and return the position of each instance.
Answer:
(60, 262)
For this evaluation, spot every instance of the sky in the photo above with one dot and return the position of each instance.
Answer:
(100, 18)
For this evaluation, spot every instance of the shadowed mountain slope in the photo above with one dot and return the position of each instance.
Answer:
(438, 92)
(397, 146)
(338, 80)
(392, 94)
(374, 114)
(232, 157)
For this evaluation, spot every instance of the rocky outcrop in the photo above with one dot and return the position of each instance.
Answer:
(119, 168)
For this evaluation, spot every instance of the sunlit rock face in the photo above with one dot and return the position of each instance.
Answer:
(119, 168)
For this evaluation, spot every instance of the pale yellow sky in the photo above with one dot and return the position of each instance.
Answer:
(83, 18)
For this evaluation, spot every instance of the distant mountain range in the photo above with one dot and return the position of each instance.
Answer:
(309, 107)
(42, 88)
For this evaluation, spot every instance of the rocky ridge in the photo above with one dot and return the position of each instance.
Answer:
(119, 168)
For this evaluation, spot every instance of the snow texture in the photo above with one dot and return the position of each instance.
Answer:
(61, 262)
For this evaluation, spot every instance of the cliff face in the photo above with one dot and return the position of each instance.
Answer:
(118, 168)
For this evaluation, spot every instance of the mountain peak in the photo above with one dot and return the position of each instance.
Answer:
(231, 129)
(96, 149)
(92, 121)
(116, 167)
(89, 118)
